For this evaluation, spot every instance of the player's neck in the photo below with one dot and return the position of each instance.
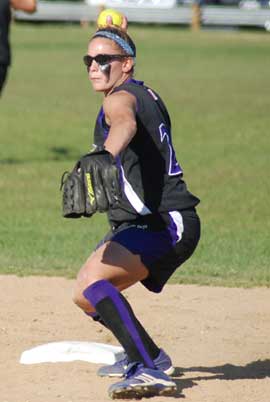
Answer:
(121, 81)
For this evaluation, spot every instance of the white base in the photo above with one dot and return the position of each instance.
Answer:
(67, 351)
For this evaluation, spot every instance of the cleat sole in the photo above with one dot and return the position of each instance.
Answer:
(139, 392)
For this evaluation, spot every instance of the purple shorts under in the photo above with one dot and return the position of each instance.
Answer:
(162, 249)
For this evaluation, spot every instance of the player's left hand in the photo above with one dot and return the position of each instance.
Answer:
(124, 25)
(101, 180)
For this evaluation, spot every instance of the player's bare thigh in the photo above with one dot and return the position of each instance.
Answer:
(112, 262)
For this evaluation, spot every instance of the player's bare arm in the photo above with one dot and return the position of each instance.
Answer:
(120, 111)
(28, 6)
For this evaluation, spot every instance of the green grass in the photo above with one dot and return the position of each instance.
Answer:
(216, 85)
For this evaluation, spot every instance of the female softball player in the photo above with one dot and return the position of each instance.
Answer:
(155, 227)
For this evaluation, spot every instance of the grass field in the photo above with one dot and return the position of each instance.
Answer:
(216, 85)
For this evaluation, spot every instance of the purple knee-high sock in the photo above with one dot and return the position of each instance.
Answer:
(118, 316)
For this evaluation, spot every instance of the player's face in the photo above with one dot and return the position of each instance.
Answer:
(105, 76)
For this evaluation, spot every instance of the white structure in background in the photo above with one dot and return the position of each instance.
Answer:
(133, 3)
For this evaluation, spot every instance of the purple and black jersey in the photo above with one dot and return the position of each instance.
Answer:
(151, 176)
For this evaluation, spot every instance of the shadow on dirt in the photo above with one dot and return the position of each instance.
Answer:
(256, 370)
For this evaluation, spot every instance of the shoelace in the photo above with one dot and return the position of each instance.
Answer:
(123, 363)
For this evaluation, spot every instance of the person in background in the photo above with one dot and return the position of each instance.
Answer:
(28, 6)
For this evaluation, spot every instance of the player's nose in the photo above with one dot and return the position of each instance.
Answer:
(94, 66)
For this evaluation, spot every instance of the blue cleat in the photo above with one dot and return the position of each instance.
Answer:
(162, 362)
(142, 382)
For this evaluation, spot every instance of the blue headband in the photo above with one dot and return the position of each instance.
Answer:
(117, 39)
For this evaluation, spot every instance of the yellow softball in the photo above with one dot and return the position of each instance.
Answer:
(117, 18)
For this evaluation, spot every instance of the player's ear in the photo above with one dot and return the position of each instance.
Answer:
(128, 64)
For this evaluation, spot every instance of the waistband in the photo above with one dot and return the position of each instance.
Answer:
(156, 221)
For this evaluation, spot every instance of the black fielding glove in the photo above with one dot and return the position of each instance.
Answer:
(102, 181)
(93, 185)
(73, 195)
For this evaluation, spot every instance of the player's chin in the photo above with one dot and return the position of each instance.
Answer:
(98, 87)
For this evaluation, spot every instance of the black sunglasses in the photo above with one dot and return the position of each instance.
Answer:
(102, 59)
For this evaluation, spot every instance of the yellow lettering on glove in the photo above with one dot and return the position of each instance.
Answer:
(90, 190)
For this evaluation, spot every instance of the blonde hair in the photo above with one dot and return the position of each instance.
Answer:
(119, 37)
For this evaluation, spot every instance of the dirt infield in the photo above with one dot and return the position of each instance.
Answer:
(219, 340)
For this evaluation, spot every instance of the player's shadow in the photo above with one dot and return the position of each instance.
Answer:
(10, 161)
(54, 154)
(63, 154)
(256, 370)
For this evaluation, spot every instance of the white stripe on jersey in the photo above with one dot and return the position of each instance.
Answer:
(133, 198)
(178, 221)
(152, 94)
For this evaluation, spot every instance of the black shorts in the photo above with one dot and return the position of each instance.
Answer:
(163, 242)
(3, 75)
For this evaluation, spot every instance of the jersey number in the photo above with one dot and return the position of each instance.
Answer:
(174, 167)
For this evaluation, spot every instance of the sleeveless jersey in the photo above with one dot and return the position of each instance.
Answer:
(151, 177)
(5, 17)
